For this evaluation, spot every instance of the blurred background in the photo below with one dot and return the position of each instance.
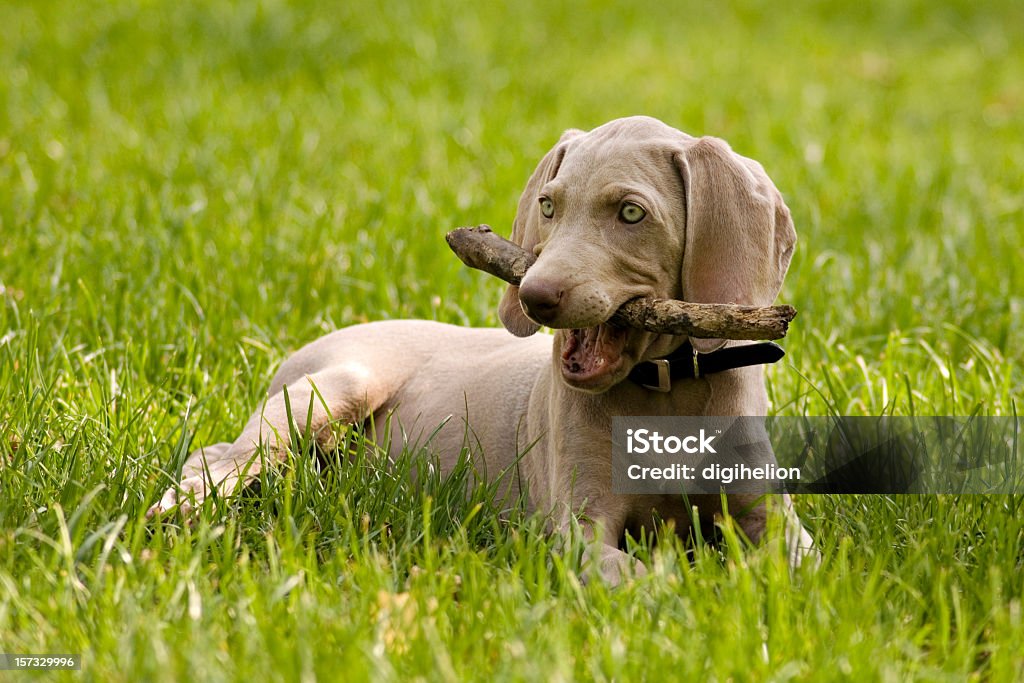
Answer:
(182, 176)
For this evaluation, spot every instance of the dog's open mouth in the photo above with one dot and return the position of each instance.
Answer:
(591, 354)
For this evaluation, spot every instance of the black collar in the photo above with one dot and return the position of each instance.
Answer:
(686, 363)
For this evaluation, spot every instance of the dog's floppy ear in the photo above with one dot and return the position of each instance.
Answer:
(739, 234)
(526, 234)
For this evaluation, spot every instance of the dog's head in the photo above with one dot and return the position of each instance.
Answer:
(637, 208)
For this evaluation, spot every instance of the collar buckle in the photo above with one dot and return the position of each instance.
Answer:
(687, 363)
(665, 375)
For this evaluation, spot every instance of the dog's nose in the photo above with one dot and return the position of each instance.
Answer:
(540, 299)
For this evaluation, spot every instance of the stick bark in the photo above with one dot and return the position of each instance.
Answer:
(485, 250)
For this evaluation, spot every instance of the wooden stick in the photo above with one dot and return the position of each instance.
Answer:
(485, 250)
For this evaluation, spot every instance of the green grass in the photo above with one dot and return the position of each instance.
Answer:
(190, 191)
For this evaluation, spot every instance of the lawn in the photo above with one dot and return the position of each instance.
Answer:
(190, 191)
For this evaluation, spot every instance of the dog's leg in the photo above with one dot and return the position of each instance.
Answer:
(799, 544)
(336, 395)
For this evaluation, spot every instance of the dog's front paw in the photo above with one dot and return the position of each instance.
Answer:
(613, 565)
(184, 497)
(207, 470)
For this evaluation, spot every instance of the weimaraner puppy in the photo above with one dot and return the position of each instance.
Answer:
(632, 208)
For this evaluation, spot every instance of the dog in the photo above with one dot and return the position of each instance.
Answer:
(632, 208)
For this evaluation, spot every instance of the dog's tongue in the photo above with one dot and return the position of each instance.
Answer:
(592, 351)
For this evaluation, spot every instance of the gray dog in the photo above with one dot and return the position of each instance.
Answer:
(632, 208)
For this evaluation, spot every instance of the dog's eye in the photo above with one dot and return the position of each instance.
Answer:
(631, 213)
(547, 207)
